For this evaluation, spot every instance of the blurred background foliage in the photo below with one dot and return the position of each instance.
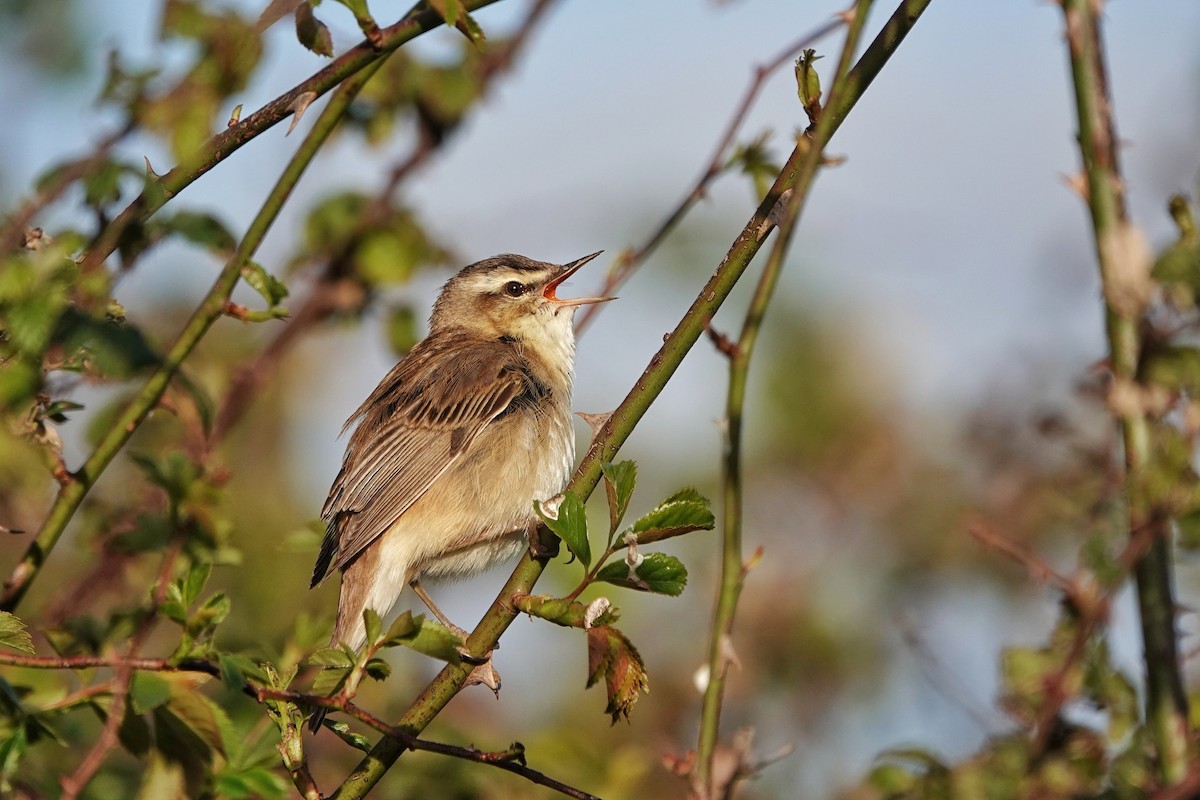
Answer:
(872, 622)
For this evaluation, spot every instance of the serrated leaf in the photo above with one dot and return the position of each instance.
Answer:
(428, 637)
(147, 692)
(685, 511)
(619, 481)
(235, 668)
(194, 582)
(373, 625)
(343, 732)
(404, 625)
(311, 32)
(267, 285)
(658, 572)
(612, 656)
(329, 681)
(330, 657)
(378, 669)
(211, 614)
(571, 526)
(14, 634)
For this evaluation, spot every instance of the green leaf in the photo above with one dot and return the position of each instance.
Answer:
(12, 749)
(147, 692)
(378, 669)
(571, 526)
(14, 634)
(271, 288)
(330, 657)
(235, 668)
(808, 84)
(211, 614)
(1189, 530)
(311, 32)
(685, 511)
(175, 474)
(192, 584)
(329, 681)
(403, 626)
(1175, 367)
(658, 572)
(373, 624)
(253, 782)
(343, 732)
(619, 480)
(425, 636)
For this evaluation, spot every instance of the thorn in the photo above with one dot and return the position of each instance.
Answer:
(595, 422)
(1077, 183)
(150, 173)
(723, 343)
(298, 107)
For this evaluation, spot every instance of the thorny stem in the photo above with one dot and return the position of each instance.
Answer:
(621, 423)
(71, 494)
(732, 565)
(1123, 279)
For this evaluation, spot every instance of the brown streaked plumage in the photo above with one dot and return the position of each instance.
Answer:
(457, 441)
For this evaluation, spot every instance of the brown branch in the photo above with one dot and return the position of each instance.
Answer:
(629, 260)
(511, 760)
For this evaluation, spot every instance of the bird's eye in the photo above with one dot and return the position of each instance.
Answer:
(514, 288)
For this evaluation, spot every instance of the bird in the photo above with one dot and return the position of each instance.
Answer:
(457, 441)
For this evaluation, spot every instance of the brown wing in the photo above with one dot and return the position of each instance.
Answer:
(420, 419)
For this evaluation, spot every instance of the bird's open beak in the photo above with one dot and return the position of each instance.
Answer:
(567, 271)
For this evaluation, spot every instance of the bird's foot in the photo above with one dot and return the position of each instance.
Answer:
(543, 544)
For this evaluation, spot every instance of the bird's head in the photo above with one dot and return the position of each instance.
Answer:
(513, 297)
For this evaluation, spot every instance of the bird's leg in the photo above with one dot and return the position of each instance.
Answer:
(415, 583)
(483, 671)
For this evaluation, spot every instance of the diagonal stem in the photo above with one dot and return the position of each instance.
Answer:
(621, 423)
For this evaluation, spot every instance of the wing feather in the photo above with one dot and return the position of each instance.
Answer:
(416, 424)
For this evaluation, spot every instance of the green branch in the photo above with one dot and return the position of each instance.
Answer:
(732, 566)
(621, 423)
(1126, 282)
(419, 20)
(71, 494)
